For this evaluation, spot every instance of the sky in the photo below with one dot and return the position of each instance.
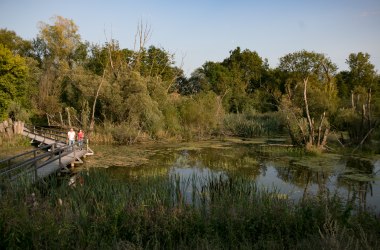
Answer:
(197, 31)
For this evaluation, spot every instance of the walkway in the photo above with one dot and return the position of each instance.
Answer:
(51, 156)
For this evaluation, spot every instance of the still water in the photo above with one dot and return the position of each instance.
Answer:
(288, 171)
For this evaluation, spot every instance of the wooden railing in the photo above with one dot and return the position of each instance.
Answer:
(54, 134)
(29, 162)
(17, 166)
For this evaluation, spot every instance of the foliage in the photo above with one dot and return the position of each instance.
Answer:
(10, 40)
(195, 84)
(233, 79)
(142, 92)
(361, 112)
(61, 41)
(311, 97)
(201, 115)
(145, 213)
(13, 74)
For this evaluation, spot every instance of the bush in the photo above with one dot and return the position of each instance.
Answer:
(201, 115)
(124, 134)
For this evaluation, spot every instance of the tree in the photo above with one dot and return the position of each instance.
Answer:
(19, 109)
(14, 43)
(307, 115)
(359, 119)
(362, 71)
(60, 51)
(13, 75)
(62, 41)
(245, 65)
(157, 62)
(195, 84)
(234, 79)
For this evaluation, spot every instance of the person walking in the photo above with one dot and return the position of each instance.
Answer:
(80, 139)
(71, 137)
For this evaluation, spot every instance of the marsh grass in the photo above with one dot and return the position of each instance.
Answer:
(10, 146)
(251, 124)
(153, 213)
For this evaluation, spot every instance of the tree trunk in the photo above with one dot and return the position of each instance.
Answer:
(362, 125)
(320, 130)
(61, 119)
(369, 108)
(92, 122)
(68, 117)
(324, 140)
(310, 123)
(47, 117)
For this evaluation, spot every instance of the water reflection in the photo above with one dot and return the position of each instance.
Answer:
(288, 171)
(358, 179)
(302, 178)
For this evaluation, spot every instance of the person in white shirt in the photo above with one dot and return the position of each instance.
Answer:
(71, 136)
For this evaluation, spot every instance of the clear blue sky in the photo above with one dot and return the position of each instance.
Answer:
(206, 30)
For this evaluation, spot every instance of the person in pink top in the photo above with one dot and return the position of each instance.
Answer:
(80, 139)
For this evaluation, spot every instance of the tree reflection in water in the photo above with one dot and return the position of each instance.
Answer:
(358, 178)
(288, 170)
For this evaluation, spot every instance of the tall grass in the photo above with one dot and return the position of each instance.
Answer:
(153, 213)
(251, 124)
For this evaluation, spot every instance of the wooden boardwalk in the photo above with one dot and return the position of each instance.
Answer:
(61, 164)
(52, 155)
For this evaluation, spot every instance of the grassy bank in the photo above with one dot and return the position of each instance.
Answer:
(154, 213)
(14, 145)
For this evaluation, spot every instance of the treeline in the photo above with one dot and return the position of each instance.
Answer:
(126, 95)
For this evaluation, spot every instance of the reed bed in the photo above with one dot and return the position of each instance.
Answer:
(219, 212)
(251, 124)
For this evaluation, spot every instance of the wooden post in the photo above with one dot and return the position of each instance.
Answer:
(72, 163)
(35, 166)
(59, 158)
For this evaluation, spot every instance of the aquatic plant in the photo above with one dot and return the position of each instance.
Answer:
(231, 212)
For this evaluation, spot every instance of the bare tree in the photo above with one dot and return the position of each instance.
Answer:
(142, 36)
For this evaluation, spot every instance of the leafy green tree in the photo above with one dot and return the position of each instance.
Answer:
(247, 66)
(20, 109)
(156, 62)
(247, 69)
(362, 72)
(16, 44)
(360, 86)
(219, 78)
(193, 85)
(62, 41)
(60, 50)
(221, 81)
(310, 98)
(234, 79)
(13, 75)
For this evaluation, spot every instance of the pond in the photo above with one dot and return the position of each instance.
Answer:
(289, 172)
